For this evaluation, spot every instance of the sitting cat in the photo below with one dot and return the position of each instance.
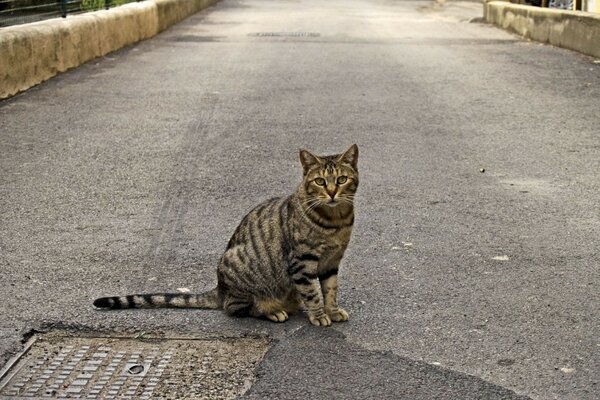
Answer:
(284, 254)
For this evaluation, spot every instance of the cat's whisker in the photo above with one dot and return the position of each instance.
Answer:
(310, 202)
(312, 206)
(346, 199)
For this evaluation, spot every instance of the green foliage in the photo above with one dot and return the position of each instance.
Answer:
(91, 5)
(115, 3)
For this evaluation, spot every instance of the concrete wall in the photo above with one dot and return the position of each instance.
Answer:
(575, 30)
(33, 53)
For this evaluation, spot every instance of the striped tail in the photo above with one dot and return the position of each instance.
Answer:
(207, 300)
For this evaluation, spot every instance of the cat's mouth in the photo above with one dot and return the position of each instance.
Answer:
(332, 203)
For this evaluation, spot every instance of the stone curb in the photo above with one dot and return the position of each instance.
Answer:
(33, 53)
(574, 30)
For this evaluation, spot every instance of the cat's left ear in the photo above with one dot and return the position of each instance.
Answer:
(350, 156)
(308, 160)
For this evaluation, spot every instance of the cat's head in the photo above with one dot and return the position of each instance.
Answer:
(330, 180)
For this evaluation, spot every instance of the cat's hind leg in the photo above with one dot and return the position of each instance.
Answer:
(272, 309)
(238, 306)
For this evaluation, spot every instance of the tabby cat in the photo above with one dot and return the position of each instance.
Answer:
(284, 255)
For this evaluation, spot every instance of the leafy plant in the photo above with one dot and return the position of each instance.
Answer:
(91, 5)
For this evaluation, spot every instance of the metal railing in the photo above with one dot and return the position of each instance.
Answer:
(15, 12)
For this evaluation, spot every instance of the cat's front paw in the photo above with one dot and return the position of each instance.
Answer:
(321, 319)
(338, 315)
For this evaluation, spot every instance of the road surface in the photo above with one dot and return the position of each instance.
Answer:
(473, 269)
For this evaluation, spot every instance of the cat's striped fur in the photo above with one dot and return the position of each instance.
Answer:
(285, 253)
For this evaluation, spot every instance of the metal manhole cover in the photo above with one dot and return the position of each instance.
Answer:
(285, 34)
(114, 368)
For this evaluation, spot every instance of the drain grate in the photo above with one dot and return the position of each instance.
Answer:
(114, 368)
(285, 34)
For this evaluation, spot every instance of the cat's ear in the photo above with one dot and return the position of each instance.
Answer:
(308, 160)
(350, 156)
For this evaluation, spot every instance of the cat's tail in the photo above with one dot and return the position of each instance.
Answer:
(207, 300)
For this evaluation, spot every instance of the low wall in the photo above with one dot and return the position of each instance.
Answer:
(575, 30)
(33, 53)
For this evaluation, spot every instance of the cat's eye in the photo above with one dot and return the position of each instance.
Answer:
(320, 181)
(342, 179)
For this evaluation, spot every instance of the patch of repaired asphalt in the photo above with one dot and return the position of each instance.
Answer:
(321, 363)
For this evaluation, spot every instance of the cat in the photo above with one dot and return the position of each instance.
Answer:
(284, 255)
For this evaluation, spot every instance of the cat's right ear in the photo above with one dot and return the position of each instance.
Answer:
(308, 160)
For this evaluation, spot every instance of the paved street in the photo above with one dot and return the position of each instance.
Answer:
(473, 271)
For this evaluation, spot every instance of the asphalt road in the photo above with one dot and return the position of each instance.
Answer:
(130, 173)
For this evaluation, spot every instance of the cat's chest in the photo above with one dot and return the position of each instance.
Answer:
(333, 245)
(321, 243)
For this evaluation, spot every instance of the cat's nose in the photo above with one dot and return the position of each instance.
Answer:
(332, 192)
